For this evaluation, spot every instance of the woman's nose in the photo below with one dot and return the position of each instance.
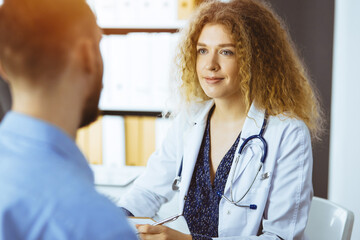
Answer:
(212, 63)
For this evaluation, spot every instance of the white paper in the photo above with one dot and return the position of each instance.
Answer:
(135, 221)
(178, 225)
(138, 71)
(113, 141)
(161, 128)
(136, 13)
(116, 176)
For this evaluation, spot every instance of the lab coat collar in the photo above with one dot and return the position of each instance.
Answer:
(199, 112)
(192, 139)
(252, 124)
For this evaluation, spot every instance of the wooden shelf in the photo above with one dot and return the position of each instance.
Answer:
(131, 113)
(123, 31)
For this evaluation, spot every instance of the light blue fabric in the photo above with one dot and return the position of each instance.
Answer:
(46, 187)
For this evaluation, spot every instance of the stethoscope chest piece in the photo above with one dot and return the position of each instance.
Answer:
(177, 179)
(176, 183)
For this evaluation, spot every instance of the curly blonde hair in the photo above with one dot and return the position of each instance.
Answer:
(272, 74)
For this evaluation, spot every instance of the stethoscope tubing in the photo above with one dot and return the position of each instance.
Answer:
(262, 160)
(177, 180)
(260, 137)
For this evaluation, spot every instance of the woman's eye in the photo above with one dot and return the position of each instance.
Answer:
(201, 51)
(227, 52)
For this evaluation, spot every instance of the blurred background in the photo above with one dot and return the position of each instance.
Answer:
(138, 48)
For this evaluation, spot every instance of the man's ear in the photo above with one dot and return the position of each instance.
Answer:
(3, 74)
(87, 55)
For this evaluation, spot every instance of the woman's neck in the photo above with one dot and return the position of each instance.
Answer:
(229, 111)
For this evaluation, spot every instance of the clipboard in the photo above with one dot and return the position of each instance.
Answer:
(179, 225)
(141, 220)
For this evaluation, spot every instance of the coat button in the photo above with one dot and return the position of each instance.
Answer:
(228, 212)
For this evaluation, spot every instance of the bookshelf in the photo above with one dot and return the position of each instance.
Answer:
(138, 45)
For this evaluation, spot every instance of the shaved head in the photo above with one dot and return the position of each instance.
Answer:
(43, 42)
(35, 35)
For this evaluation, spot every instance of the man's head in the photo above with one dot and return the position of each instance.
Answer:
(37, 39)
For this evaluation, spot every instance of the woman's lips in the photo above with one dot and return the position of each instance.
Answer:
(212, 80)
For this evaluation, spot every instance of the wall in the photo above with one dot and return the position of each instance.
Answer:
(344, 177)
(311, 26)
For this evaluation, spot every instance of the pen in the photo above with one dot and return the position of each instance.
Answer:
(166, 220)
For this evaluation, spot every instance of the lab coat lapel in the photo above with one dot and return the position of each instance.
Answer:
(252, 126)
(192, 142)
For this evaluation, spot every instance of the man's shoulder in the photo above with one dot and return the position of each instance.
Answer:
(93, 216)
(65, 215)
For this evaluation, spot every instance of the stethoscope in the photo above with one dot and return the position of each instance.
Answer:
(177, 180)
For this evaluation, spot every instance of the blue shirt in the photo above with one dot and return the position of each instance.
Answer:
(46, 187)
(201, 209)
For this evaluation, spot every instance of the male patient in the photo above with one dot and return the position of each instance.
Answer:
(49, 54)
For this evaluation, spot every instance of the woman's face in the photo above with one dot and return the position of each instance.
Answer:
(216, 63)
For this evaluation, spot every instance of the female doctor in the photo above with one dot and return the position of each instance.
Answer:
(241, 149)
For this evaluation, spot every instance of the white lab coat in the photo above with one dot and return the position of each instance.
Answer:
(283, 199)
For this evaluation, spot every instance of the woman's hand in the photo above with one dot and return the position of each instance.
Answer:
(148, 232)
